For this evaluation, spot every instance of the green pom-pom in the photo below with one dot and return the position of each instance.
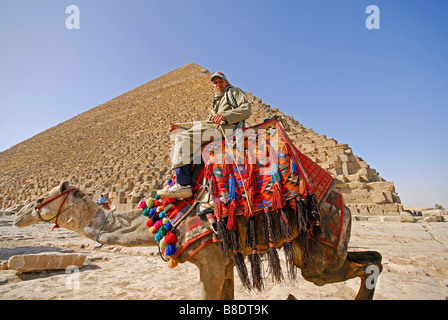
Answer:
(146, 212)
(157, 197)
(167, 208)
(163, 231)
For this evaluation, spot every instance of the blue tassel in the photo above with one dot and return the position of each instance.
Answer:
(232, 188)
(170, 250)
(294, 168)
(169, 226)
(153, 212)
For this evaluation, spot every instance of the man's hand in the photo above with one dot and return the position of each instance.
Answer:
(173, 127)
(217, 118)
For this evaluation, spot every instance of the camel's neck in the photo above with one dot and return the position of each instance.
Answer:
(117, 228)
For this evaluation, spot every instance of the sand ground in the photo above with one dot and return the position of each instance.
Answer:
(415, 259)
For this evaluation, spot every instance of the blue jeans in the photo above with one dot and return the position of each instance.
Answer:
(183, 175)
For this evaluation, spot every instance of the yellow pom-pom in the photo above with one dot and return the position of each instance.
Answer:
(162, 243)
(165, 220)
(150, 202)
(173, 263)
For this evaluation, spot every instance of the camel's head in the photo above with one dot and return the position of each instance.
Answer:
(47, 207)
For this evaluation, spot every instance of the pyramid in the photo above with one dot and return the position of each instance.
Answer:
(121, 149)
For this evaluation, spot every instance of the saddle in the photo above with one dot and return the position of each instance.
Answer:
(258, 177)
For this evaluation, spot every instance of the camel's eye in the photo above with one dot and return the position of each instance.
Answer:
(41, 199)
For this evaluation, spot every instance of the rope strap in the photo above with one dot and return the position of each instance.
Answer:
(98, 235)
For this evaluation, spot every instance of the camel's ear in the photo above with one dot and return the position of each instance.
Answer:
(64, 186)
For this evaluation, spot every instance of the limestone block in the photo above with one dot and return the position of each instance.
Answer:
(345, 171)
(357, 185)
(353, 177)
(330, 143)
(343, 157)
(378, 197)
(382, 186)
(363, 171)
(434, 219)
(333, 159)
(46, 261)
(389, 196)
(333, 172)
(407, 217)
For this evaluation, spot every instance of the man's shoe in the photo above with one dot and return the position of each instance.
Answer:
(176, 191)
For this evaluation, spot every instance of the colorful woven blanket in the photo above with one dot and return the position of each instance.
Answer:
(263, 173)
(266, 171)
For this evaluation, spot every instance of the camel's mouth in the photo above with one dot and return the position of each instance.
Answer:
(19, 221)
(25, 216)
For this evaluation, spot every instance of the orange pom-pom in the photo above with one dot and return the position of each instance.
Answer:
(152, 230)
(173, 263)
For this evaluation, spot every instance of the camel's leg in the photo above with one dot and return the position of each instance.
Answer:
(217, 282)
(228, 289)
(215, 273)
(366, 265)
(212, 282)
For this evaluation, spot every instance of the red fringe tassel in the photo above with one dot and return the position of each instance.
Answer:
(277, 197)
(231, 221)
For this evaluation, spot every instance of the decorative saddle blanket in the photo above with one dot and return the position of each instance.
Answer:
(265, 171)
(259, 172)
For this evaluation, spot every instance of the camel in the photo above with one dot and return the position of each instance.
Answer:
(70, 208)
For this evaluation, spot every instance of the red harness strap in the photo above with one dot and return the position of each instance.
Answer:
(66, 193)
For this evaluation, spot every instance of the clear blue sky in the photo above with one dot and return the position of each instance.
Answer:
(384, 92)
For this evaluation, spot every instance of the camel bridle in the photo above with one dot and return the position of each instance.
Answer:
(39, 207)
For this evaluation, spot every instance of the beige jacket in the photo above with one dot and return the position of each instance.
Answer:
(222, 107)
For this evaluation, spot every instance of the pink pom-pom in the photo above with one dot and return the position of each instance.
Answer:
(142, 205)
(158, 224)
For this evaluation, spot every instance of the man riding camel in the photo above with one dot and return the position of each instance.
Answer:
(230, 109)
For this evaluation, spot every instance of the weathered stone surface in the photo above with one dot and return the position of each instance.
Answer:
(45, 261)
(434, 219)
(96, 145)
(407, 217)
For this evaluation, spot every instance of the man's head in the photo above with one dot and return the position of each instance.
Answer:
(219, 81)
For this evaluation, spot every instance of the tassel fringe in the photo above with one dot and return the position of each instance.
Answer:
(251, 233)
(274, 264)
(242, 270)
(289, 256)
(256, 271)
